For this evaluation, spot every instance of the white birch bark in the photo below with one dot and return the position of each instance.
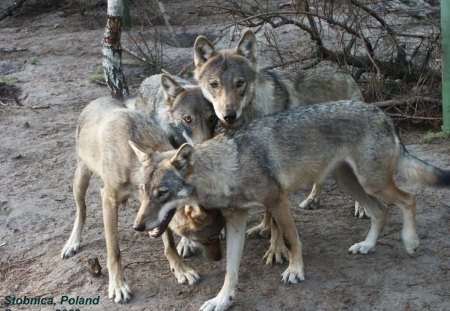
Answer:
(112, 50)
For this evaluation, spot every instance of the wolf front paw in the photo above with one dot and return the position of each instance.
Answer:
(219, 303)
(259, 231)
(120, 292)
(361, 248)
(186, 275)
(411, 242)
(293, 276)
(187, 248)
(277, 254)
(70, 249)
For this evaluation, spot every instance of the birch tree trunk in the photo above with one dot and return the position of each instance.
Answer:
(112, 50)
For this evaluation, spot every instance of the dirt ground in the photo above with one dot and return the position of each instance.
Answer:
(48, 59)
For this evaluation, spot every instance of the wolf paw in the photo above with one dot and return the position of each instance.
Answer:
(277, 254)
(259, 231)
(70, 249)
(186, 276)
(309, 203)
(292, 276)
(120, 292)
(219, 303)
(187, 248)
(361, 248)
(360, 212)
(411, 242)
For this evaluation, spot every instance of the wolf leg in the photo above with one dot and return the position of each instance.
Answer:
(117, 289)
(263, 229)
(347, 181)
(283, 218)
(236, 221)
(277, 252)
(80, 184)
(313, 199)
(183, 273)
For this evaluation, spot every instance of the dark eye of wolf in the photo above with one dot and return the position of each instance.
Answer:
(240, 83)
(214, 84)
(187, 119)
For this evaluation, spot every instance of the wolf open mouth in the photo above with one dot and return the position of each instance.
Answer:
(159, 229)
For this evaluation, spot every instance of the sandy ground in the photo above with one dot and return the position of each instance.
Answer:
(50, 58)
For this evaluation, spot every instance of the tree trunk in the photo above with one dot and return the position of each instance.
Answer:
(112, 50)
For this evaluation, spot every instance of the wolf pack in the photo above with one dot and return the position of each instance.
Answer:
(199, 155)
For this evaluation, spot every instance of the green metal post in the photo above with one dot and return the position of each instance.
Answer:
(445, 35)
(126, 15)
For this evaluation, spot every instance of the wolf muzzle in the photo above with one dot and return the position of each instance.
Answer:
(230, 116)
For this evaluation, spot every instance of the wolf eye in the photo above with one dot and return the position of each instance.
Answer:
(187, 118)
(214, 84)
(240, 83)
(159, 193)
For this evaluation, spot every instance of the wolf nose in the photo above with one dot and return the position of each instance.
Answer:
(230, 116)
(139, 227)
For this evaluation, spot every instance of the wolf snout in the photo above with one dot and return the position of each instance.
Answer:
(230, 116)
(139, 227)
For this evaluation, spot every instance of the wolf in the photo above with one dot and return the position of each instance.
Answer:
(178, 105)
(180, 108)
(258, 165)
(239, 92)
(104, 128)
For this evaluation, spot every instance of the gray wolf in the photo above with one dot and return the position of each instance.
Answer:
(178, 106)
(239, 92)
(272, 156)
(104, 128)
(182, 112)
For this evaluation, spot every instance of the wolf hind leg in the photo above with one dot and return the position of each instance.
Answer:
(81, 180)
(347, 181)
(407, 203)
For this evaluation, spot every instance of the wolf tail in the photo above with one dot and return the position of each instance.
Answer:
(417, 170)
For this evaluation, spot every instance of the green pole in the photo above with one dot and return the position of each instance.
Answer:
(126, 15)
(445, 35)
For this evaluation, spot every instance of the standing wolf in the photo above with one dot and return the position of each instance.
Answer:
(240, 92)
(261, 163)
(104, 128)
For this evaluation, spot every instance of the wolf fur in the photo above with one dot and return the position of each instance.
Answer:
(178, 105)
(104, 128)
(258, 165)
(239, 92)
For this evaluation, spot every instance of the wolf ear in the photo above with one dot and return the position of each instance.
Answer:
(195, 212)
(183, 158)
(203, 50)
(171, 87)
(247, 45)
(142, 156)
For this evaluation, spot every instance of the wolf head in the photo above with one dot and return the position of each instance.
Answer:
(227, 77)
(162, 188)
(165, 196)
(189, 114)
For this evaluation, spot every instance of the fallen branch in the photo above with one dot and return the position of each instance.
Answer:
(406, 100)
